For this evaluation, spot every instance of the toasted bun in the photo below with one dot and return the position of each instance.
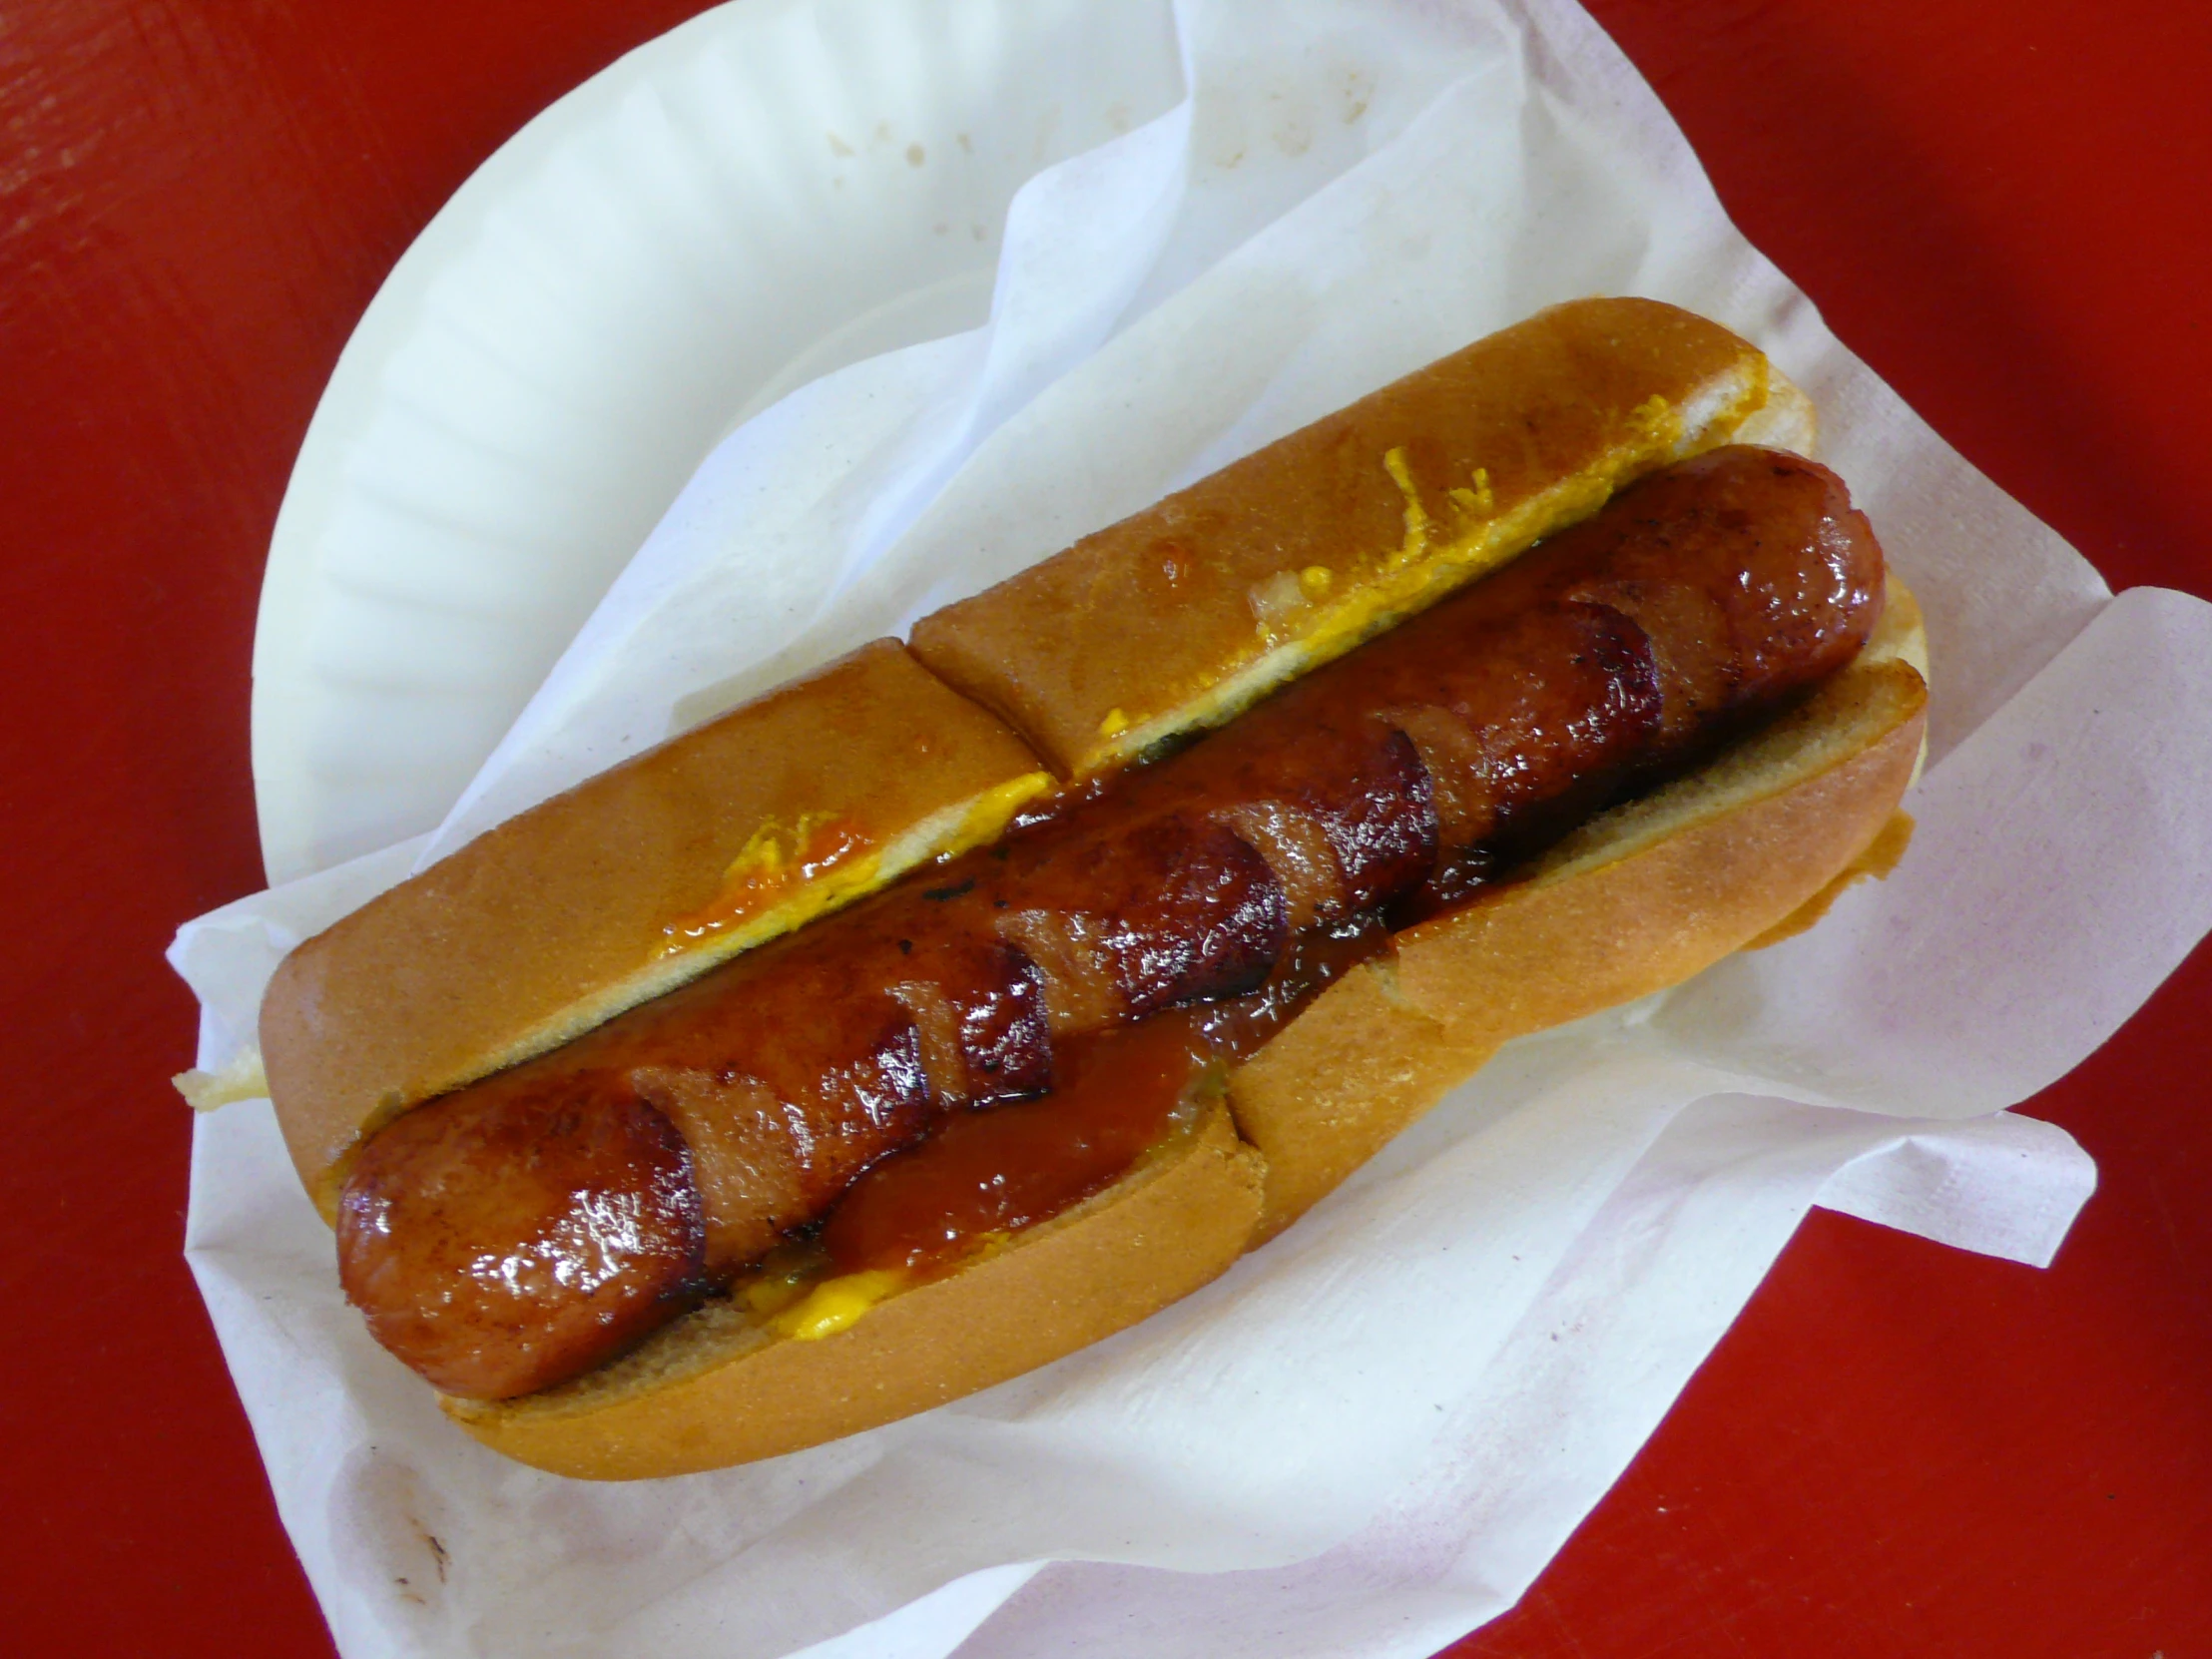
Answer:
(1174, 619)
(1188, 613)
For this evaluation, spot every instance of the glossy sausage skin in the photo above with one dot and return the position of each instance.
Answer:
(592, 1213)
(1393, 780)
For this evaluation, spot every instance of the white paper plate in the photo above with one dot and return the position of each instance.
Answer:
(766, 194)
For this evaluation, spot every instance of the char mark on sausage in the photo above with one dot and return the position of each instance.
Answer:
(1127, 916)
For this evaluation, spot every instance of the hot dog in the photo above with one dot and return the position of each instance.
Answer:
(1196, 924)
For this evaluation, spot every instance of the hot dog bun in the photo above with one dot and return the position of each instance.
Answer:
(471, 966)
(826, 790)
(1184, 615)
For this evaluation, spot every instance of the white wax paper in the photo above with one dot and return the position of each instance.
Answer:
(1370, 1435)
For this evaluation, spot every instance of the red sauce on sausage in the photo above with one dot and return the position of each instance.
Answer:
(1008, 1167)
(1116, 1095)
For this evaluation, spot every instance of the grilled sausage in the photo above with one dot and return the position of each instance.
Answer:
(689, 1135)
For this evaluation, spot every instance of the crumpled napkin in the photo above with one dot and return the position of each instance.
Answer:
(1370, 1435)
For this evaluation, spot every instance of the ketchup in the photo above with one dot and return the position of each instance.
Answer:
(1012, 1166)
(1116, 1094)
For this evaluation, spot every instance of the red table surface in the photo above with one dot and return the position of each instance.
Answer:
(1900, 1449)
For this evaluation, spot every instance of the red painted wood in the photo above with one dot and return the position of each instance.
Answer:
(1900, 1449)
